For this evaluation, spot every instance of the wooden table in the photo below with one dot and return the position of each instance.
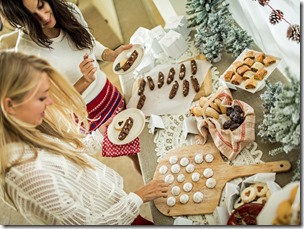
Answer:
(148, 158)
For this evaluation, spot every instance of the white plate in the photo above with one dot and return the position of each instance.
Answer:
(260, 83)
(138, 126)
(124, 54)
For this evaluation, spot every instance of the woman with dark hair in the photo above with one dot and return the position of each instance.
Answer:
(56, 31)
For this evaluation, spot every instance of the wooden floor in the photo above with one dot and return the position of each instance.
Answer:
(123, 165)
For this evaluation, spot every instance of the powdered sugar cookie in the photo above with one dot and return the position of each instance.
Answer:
(211, 182)
(198, 158)
(184, 161)
(198, 197)
(209, 158)
(195, 177)
(190, 168)
(171, 201)
(173, 159)
(208, 172)
(184, 198)
(180, 178)
(163, 169)
(187, 187)
(175, 168)
(169, 179)
(175, 190)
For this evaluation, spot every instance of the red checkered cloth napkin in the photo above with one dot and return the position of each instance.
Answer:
(111, 150)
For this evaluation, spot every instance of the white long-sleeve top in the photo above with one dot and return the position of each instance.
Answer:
(53, 190)
(65, 57)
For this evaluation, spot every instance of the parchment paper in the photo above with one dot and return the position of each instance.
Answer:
(157, 101)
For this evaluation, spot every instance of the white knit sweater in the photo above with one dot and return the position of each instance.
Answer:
(55, 191)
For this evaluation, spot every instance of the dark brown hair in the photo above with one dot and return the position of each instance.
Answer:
(18, 16)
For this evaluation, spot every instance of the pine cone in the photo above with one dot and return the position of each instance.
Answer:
(276, 16)
(293, 33)
(263, 2)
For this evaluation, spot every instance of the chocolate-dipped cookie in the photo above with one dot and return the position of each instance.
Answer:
(130, 61)
(173, 90)
(141, 88)
(141, 101)
(182, 71)
(126, 128)
(193, 67)
(161, 79)
(185, 87)
(171, 75)
(195, 83)
(150, 83)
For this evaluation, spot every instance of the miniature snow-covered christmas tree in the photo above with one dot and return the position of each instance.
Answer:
(281, 121)
(212, 19)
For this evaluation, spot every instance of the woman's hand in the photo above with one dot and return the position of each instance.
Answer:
(110, 55)
(88, 69)
(102, 129)
(153, 190)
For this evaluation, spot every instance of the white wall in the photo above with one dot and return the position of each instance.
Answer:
(170, 8)
(107, 9)
(272, 39)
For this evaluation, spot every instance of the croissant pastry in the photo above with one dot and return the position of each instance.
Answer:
(259, 57)
(249, 54)
(250, 83)
(269, 60)
(236, 79)
(228, 75)
(248, 75)
(256, 66)
(260, 74)
(242, 69)
(249, 61)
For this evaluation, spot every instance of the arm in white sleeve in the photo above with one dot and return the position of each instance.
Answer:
(57, 199)
(93, 142)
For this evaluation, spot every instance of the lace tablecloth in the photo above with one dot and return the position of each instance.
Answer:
(171, 137)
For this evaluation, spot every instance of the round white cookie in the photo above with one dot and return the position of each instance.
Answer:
(175, 168)
(184, 198)
(210, 182)
(209, 158)
(184, 161)
(180, 178)
(173, 159)
(119, 124)
(198, 197)
(208, 172)
(195, 177)
(163, 169)
(190, 168)
(199, 158)
(175, 190)
(187, 187)
(169, 179)
(171, 201)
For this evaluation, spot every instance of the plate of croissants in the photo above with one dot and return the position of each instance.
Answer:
(250, 70)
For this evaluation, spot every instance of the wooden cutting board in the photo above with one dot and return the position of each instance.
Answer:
(222, 173)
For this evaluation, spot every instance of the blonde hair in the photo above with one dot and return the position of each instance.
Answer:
(17, 79)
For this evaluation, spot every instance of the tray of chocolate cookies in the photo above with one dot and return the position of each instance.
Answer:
(250, 70)
(169, 88)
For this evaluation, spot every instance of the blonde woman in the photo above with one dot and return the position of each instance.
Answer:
(46, 172)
